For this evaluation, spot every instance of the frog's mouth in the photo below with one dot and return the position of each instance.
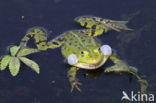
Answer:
(92, 65)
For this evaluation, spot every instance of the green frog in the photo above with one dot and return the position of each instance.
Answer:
(80, 50)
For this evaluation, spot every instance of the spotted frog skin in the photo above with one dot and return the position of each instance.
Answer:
(86, 49)
(101, 25)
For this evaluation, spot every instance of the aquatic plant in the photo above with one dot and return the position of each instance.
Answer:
(16, 55)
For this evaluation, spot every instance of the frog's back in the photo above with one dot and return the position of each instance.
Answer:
(77, 41)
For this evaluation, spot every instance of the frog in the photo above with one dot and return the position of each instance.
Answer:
(81, 51)
(85, 52)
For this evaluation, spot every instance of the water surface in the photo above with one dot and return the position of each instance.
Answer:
(137, 48)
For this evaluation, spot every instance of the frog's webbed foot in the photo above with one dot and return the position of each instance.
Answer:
(116, 25)
(143, 83)
(75, 84)
(72, 78)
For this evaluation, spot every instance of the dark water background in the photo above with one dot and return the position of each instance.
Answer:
(137, 48)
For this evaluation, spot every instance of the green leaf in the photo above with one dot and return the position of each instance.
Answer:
(4, 62)
(26, 51)
(14, 66)
(30, 64)
(14, 50)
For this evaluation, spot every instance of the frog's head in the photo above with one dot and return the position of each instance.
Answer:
(91, 58)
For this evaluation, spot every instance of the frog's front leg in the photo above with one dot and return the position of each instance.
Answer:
(72, 78)
(94, 32)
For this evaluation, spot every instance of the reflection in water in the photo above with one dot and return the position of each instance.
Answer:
(130, 16)
(131, 37)
(94, 74)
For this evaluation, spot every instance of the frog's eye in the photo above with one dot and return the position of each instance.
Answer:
(82, 53)
(99, 49)
(72, 59)
(106, 50)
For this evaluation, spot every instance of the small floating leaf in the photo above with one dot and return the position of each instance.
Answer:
(4, 62)
(14, 50)
(14, 66)
(30, 64)
(26, 51)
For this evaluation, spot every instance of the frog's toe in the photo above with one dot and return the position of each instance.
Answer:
(75, 84)
(133, 69)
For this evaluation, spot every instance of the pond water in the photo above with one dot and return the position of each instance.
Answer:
(137, 48)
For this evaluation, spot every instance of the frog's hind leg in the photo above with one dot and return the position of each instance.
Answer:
(106, 26)
(120, 66)
(94, 32)
(100, 29)
(72, 78)
(116, 25)
(57, 42)
(40, 37)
